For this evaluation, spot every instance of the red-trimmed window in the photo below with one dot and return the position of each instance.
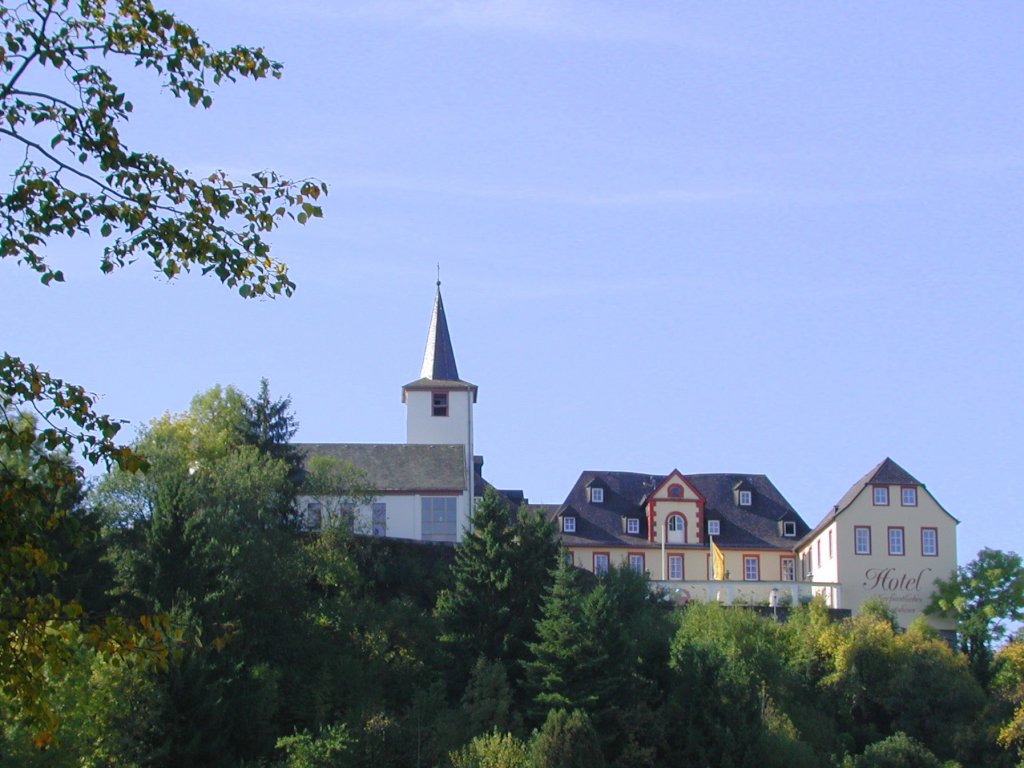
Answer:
(439, 404)
(751, 568)
(675, 567)
(908, 496)
(862, 539)
(600, 563)
(880, 495)
(787, 569)
(675, 491)
(930, 542)
(895, 538)
(636, 562)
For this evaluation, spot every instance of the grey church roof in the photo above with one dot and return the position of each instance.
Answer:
(398, 468)
(625, 493)
(439, 357)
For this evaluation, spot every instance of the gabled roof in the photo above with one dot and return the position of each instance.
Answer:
(754, 527)
(399, 468)
(886, 472)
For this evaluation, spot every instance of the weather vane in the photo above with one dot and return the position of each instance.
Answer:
(438, 274)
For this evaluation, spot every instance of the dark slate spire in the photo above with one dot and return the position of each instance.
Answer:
(439, 358)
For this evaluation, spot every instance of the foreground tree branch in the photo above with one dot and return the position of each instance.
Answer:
(78, 177)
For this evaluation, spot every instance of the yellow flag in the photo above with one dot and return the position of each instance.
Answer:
(717, 562)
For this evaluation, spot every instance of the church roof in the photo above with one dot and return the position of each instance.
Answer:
(439, 357)
(398, 468)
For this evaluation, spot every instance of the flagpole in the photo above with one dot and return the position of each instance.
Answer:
(664, 574)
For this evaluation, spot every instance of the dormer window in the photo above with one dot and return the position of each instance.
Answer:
(596, 495)
(789, 528)
(714, 528)
(568, 524)
(439, 404)
(633, 525)
(745, 498)
(880, 496)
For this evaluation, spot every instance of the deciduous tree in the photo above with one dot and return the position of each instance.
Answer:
(61, 110)
(984, 597)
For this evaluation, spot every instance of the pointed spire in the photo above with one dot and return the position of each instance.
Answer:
(439, 357)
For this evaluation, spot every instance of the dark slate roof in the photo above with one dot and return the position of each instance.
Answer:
(754, 527)
(439, 357)
(398, 467)
(886, 472)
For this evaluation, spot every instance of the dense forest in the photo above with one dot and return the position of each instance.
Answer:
(235, 637)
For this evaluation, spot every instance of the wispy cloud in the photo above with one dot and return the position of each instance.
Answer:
(545, 196)
(740, 193)
(555, 19)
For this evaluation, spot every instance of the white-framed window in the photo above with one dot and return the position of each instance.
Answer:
(880, 495)
(896, 540)
(568, 524)
(438, 518)
(751, 568)
(600, 562)
(930, 542)
(789, 528)
(908, 497)
(788, 569)
(830, 544)
(636, 562)
(675, 567)
(745, 498)
(862, 539)
(714, 528)
(597, 495)
(633, 525)
(676, 529)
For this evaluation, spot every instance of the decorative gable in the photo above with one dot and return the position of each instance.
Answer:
(675, 511)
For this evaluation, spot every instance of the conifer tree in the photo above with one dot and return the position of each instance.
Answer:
(498, 574)
(569, 664)
(270, 425)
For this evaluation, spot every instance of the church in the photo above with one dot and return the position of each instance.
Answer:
(728, 537)
(424, 488)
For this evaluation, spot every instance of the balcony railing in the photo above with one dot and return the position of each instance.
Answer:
(750, 592)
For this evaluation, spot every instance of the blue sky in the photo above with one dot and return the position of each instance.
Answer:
(734, 237)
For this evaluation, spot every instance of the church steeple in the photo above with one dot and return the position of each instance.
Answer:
(439, 357)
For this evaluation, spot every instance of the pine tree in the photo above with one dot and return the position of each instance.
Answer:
(499, 574)
(270, 425)
(569, 661)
